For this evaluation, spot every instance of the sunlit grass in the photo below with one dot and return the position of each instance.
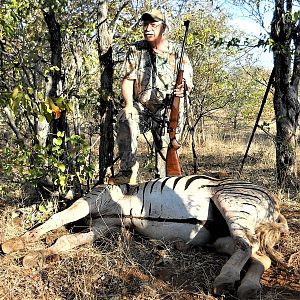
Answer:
(125, 267)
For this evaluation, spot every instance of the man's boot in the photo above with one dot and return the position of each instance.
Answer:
(126, 177)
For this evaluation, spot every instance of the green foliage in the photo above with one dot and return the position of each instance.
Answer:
(296, 16)
(26, 70)
(224, 79)
(38, 213)
(247, 96)
(35, 163)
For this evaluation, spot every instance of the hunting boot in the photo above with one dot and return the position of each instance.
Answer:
(126, 177)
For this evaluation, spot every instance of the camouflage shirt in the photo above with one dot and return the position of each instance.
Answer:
(154, 74)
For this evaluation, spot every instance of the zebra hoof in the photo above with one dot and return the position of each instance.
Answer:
(248, 290)
(218, 290)
(34, 259)
(225, 282)
(13, 245)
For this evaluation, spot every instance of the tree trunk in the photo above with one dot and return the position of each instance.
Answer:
(235, 120)
(104, 40)
(12, 124)
(284, 31)
(55, 79)
(286, 111)
(54, 86)
(201, 135)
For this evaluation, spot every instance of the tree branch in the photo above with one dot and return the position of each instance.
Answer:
(113, 24)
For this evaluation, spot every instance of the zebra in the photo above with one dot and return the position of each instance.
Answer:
(236, 217)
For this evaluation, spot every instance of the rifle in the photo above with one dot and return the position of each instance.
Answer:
(172, 160)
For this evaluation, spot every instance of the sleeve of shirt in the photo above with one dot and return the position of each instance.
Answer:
(129, 66)
(187, 72)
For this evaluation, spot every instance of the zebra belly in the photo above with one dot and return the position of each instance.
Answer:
(165, 210)
(162, 201)
(195, 234)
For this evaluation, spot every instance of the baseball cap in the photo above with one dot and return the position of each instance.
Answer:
(154, 15)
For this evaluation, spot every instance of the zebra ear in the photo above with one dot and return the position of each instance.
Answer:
(281, 220)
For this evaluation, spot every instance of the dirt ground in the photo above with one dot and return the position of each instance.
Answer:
(127, 266)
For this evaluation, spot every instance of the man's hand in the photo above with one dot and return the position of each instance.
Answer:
(126, 112)
(127, 92)
(179, 90)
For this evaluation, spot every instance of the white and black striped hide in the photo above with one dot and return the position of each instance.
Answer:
(190, 208)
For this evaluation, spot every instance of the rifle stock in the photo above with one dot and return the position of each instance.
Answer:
(172, 160)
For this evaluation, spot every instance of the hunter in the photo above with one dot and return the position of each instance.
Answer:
(148, 79)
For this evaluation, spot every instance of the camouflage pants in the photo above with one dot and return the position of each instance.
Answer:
(141, 121)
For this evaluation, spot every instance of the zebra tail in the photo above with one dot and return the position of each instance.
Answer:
(269, 235)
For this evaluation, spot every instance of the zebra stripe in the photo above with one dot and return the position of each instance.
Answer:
(145, 186)
(191, 180)
(152, 185)
(164, 183)
(246, 185)
(176, 181)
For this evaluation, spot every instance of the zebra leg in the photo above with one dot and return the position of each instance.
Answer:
(230, 273)
(224, 245)
(63, 243)
(100, 227)
(240, 214)
(76, 211)
(250, 284)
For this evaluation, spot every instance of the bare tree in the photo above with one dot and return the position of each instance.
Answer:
(285, 36)
(284, 40)
(55, 79)
(105, 33)
(104, 40)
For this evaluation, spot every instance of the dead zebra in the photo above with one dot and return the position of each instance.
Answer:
(193, 209)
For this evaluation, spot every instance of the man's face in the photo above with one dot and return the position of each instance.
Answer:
(153, 30)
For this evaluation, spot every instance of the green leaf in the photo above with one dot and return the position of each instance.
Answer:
(40, 96)
(56, 148)
(57, 141)
(69, 106)
(15, 93)
(54, 68)
(30, 91)
(60, 133)
(42, 208)
(60, 102)
(62, 180)
(41, 118)
(61, 167)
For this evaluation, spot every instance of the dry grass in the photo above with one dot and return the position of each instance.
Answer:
(123, 266)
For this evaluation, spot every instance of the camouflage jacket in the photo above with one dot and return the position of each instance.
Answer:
(154, 74)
